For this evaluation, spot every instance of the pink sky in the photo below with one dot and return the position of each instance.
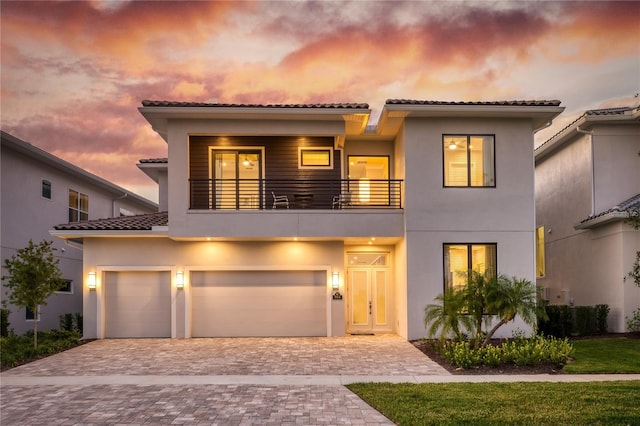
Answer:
(74, 73)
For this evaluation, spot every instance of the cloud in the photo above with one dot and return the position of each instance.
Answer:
(74, 73)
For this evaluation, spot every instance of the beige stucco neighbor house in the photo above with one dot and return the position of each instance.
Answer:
(587, 179)
(38, 191)
(302, 220)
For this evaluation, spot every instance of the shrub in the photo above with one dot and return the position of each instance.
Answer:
(4, 321)
(602, 312)
(16, 350)
(66, 322)
(585, 321)
(78, 319)
(564, 321)
(633, 323)
(519, 351)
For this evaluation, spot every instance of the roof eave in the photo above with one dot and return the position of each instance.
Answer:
(601, 220)
(66, 167)
(540, 115)
(159, 116)
(156, 232)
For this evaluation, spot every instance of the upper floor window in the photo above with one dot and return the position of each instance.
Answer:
(78, 206)
(46, 189)
(460, 258)
(469, 160)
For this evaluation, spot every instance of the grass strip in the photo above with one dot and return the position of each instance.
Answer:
(545, 403)
(606, 355)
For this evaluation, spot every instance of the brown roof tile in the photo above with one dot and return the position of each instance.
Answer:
(151, 103)
(142, 222)
(498, 103)
(154, 160)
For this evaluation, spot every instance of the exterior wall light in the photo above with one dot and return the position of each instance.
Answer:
(335, 280)
(91, 281)
(180, 279)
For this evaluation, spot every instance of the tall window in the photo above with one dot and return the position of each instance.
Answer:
(46, 189)
(540, 266)
(469, 160)
(460, 258)
(78, 206)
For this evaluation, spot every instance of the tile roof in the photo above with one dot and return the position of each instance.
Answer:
(154, 160)
(610, 111)
(591, 112)
(151, 103)
(142, 222)
(498, 103)
(624, 207)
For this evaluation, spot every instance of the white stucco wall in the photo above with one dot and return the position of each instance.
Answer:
(436, 215)
(27, 215)
(580, 179)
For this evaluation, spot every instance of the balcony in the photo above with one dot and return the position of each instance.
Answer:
(278, 194)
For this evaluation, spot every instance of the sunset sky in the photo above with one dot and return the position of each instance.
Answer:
(74, 73)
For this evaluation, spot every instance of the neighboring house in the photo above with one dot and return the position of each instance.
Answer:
(587, 179)
(39, 191)
(301, 220)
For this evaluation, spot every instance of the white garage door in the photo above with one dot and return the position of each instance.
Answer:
(258, 303)
(137, 304)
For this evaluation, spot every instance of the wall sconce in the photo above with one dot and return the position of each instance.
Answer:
(91, 281)
(180, 279)
(335, 280)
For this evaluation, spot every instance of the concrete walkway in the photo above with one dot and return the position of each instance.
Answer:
(222, 381)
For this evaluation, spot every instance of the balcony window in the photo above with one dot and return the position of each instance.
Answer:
(315, 158)
(469, 161)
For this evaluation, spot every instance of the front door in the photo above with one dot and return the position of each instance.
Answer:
(237, 176)
(368, 298)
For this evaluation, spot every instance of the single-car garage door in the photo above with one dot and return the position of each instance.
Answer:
(137, 304)
(258, 303)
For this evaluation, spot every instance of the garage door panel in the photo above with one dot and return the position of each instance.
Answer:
(259, 303)
(137, 304)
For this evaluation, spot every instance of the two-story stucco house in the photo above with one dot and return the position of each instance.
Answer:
(587, 179)
(40, 190)
(301, 220)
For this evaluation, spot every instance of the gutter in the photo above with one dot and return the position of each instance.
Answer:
(113, 204)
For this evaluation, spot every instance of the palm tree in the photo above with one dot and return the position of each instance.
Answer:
(478, 299)
(448, 316)
(511, 297)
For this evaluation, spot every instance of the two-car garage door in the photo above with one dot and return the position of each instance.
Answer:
(258, 303)
(222, 303)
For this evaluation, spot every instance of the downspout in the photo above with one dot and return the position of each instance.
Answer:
(113, 204)
(593, 171)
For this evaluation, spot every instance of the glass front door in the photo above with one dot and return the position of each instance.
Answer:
(368, 294)
(237, 179)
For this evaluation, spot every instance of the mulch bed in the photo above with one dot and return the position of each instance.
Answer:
(428, 350)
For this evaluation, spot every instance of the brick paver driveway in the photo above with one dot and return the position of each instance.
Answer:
(207, 381)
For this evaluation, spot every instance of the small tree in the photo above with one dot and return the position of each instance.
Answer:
(633, 219)
(33, 276)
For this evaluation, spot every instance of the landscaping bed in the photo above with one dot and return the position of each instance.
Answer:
(426, 347)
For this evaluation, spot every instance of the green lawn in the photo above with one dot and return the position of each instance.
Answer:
(593, 403)
(607, 355)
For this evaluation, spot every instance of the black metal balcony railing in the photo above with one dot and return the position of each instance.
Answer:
(258, 194)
